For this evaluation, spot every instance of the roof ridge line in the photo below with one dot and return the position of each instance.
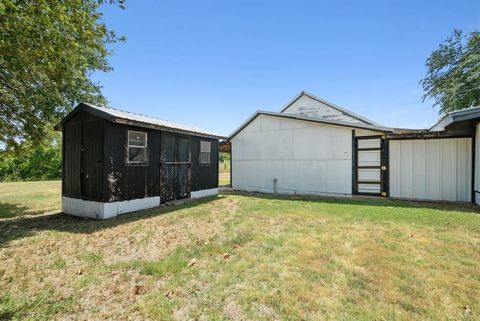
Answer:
(377, 128)
(134, 113)
(330, 104)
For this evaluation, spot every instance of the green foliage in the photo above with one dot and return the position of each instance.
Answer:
(224, 157)
(40, 160)
(173, 264)
(453, 73)
(48, 50)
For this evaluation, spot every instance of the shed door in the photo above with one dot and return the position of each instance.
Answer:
(175, 180)
(370, 166)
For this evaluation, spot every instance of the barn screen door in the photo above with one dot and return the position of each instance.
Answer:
(175, 180)
(370, 171)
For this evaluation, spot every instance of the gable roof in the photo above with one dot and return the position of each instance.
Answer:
(329, 104)
(128, 118)
(310, 119)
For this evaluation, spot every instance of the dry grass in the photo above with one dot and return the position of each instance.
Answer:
(224, 173)
(288, 259)
(224, 179)
(29, 198)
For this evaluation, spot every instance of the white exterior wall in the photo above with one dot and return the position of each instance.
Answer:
(477, 164)
(304, 157)
(432, 169)
(309, 107)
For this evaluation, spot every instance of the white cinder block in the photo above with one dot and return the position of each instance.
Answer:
(204, 193)
(100, 210)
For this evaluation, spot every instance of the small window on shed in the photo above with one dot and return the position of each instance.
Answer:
(136, 147)
(204, 152)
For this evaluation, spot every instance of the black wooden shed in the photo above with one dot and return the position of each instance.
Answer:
(116, 162)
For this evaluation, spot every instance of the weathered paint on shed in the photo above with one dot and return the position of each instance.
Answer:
(98, 181)
(129, 181)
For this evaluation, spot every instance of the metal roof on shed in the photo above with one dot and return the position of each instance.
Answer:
(467, 114)
(128, 118)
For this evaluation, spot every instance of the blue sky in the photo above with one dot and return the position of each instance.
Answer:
(213, 63)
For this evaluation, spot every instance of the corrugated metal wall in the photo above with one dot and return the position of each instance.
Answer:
(293, 156)
(432, 169)
(477, 163)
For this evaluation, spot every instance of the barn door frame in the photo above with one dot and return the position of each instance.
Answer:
(175, 164)
(383, 167)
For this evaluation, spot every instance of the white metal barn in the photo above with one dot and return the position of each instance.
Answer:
(315, 147)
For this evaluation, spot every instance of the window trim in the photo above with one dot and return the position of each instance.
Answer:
(127, 154)
(209, 153)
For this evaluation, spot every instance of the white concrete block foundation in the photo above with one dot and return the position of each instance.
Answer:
(204, 193)
(99, 210)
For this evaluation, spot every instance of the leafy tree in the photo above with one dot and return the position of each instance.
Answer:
(39, 160)
(48, 50)
(453, 73)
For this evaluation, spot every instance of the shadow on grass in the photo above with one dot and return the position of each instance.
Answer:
(8, 210)
(20, 227)
(11, 210)
(367, 201)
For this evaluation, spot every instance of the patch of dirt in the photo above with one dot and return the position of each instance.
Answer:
(233, 310)
(182, 314)
(266, 312)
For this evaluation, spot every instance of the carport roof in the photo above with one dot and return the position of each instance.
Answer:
(469, 114)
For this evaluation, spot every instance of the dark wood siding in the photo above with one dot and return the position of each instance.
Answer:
(126, 182)
(204, 176)
(93, 157)
(100, 172)
(83, 172)
(72, 138)
(175, 171)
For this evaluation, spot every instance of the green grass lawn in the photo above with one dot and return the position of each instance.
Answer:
(245, 257)
(224, 179)
(224, 173)
(29, 198)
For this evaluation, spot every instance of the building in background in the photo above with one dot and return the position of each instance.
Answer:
(315, 147)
